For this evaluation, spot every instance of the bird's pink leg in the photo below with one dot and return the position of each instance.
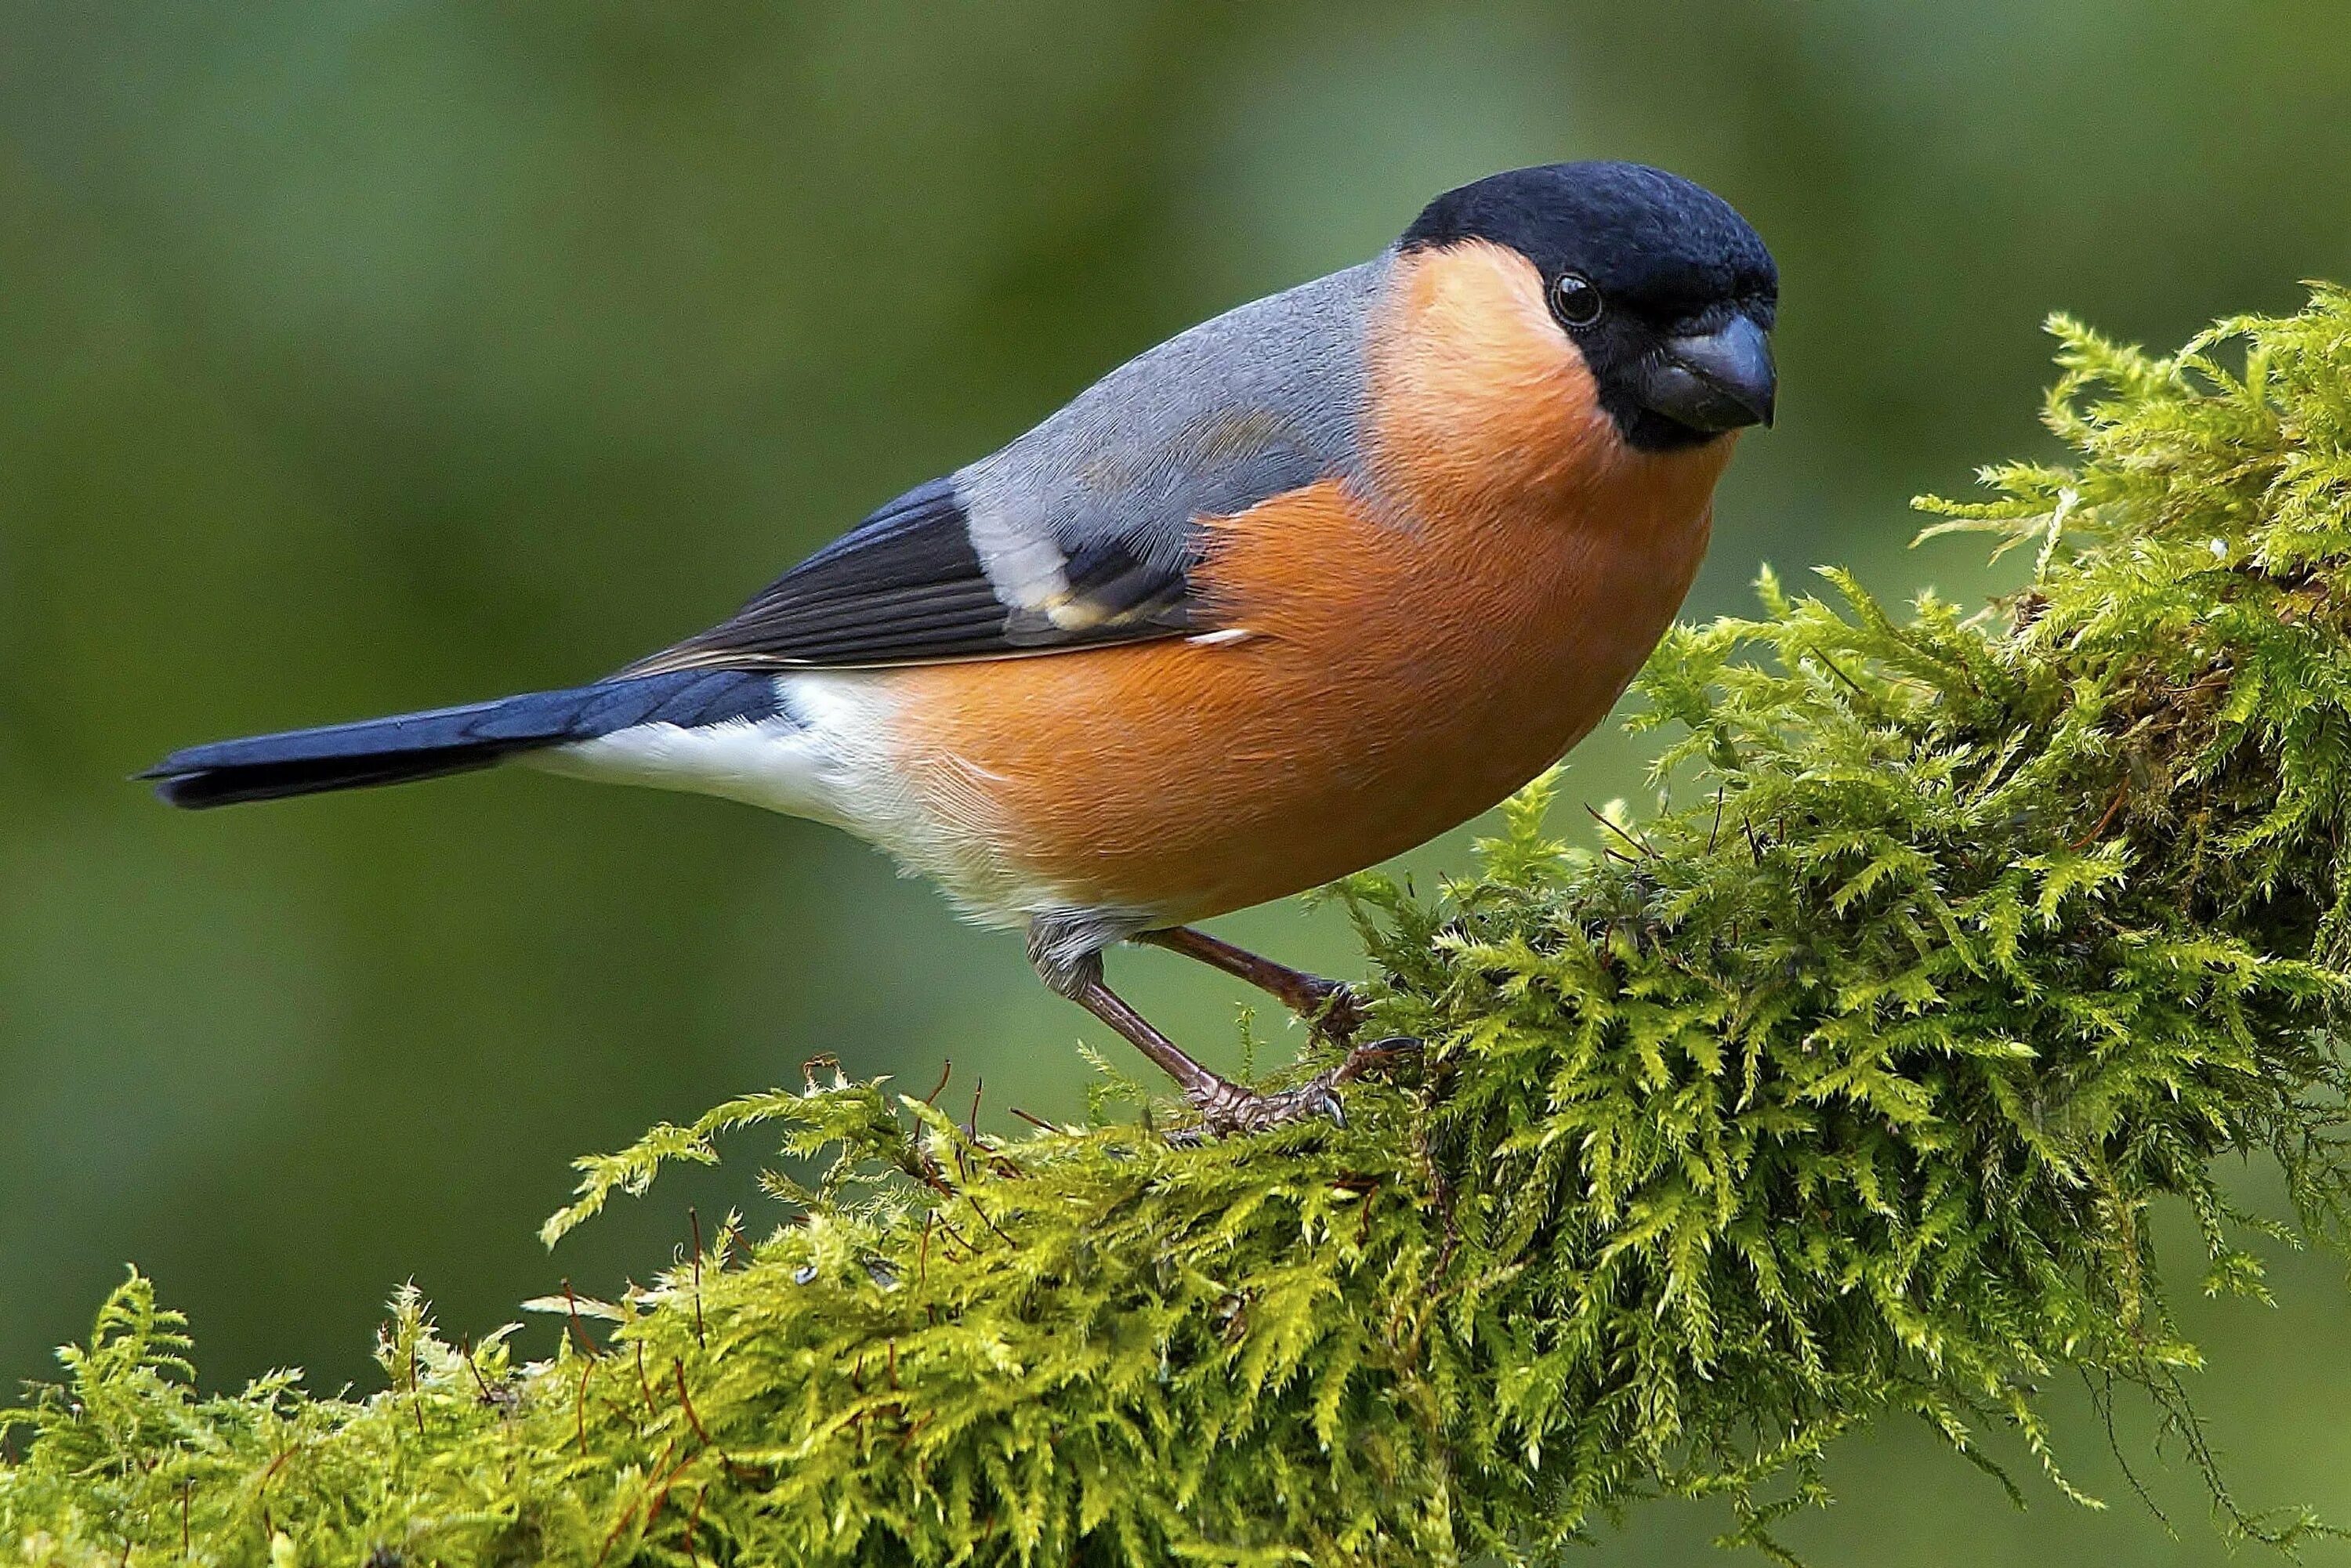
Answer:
(1329, 1005)
(1226, 1106)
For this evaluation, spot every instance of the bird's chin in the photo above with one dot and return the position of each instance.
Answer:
(1648, 430)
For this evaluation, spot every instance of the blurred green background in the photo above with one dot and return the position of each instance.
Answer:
(364, 356)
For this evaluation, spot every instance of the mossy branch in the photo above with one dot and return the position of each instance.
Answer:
(1848, 1088)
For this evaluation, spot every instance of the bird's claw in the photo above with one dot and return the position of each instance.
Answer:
(1334, 1013)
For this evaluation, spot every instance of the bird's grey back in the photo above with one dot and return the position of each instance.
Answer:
(1262, 399)
(1086, 529)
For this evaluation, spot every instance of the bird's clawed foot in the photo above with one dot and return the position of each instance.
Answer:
(1332, 1011)
(1073, 967)
(1227, 1108)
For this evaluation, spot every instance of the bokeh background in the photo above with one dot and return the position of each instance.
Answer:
(358, 355)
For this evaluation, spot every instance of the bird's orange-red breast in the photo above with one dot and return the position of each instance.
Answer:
(1405, 659)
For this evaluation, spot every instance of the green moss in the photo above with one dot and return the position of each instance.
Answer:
(1848, 1088)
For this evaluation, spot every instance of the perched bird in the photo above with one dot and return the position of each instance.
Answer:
(1286, 595)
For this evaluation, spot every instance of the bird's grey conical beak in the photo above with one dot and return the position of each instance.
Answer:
(1714, 381)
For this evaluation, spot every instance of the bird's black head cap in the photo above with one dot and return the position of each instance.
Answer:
(1668, 263)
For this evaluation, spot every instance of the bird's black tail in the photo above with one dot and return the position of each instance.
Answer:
(452, 739)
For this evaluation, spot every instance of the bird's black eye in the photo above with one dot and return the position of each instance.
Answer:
(1575, 300)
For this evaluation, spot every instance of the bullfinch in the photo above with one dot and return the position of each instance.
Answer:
(1291, 593)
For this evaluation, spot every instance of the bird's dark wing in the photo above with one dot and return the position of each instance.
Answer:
(908, 586)
(905, 586)
(1088, 529)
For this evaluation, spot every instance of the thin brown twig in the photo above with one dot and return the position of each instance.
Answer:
(694, 1219)
(1838, 673)
(685, 1401)
(588, 1347)
(694, 1523)
(985, 1221)
(1643, 845)
(2105, 821)
(474, 1367)
(643, 1382)
(665, 1475)
(618, 1525)
(270, 1475)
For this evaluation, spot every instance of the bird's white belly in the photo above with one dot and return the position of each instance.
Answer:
(831, 756)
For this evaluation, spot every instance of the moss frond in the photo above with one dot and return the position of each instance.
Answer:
(1851, 1087)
